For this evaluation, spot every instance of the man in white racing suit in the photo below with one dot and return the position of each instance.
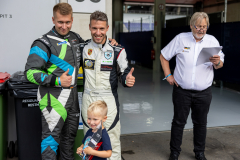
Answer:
(103, 64)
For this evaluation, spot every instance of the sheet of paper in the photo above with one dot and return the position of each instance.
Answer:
(206, 53)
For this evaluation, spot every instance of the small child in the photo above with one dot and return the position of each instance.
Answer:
(97, 113)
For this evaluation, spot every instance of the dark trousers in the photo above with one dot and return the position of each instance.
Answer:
(199, 102)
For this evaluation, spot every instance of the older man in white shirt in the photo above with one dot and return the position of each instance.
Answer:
(192, 83)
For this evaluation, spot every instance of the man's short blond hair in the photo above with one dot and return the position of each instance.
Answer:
(63, 9)
(199, 15)
(98, 107)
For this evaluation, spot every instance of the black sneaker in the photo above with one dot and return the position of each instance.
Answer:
(200, 156)
(173, 156)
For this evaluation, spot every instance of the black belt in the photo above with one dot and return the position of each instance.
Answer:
(195, 91)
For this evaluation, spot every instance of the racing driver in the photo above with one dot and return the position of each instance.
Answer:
(103, 64)
(52, 64)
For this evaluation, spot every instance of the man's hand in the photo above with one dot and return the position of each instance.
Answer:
(113, 42)
(88, 150)
(171, 80)
(65, 79)
(215, 59)
(130, 79)
(79, 150)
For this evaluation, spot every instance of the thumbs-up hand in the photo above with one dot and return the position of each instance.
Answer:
(130, 79)
(65, 79)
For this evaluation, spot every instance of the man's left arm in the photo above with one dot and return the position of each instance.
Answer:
(217, 60)
(124, 72)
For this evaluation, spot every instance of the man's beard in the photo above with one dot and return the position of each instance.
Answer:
(197, 37)
(101, 40)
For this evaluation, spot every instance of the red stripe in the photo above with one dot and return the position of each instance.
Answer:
(96, 148)
(119, 53)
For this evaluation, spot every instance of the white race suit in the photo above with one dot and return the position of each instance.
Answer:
(103, 66)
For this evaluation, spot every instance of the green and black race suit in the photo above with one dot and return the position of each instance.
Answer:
(50, 56)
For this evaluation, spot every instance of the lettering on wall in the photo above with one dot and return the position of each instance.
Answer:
(5, 15)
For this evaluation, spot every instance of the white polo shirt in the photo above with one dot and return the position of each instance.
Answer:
(186, 73)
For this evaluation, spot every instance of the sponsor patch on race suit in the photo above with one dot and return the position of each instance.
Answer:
(108, 54)
(64, 42)
(89, 52)
(74, 41)
(89, 64)
(106, 65)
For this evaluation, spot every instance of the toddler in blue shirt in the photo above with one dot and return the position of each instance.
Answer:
(97, 113)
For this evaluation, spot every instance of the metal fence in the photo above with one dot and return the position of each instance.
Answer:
(139, 25)
(139, 11)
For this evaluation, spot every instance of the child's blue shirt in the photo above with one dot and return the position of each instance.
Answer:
(106, 144)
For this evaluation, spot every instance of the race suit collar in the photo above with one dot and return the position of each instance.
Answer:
(101, 46)
(60, 36)
(104, 43)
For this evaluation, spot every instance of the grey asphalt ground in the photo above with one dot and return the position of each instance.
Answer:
(222, 143)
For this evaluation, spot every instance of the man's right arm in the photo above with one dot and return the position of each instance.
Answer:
(166, 55)
(165, 65)
(35, 69)
(167, 71)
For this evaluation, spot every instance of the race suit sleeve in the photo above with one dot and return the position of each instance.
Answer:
(80, 41)
(35, 69)
(123, 68)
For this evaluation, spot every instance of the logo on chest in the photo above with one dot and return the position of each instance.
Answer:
(89, 64)
(89, 52)
(74, 41)
(186, 49)
(64, 42)
(106, 65)
(107, 55)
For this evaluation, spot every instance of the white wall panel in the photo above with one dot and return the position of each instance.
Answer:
(21, 22)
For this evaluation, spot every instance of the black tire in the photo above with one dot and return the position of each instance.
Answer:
(16, 149)
(11, 149)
